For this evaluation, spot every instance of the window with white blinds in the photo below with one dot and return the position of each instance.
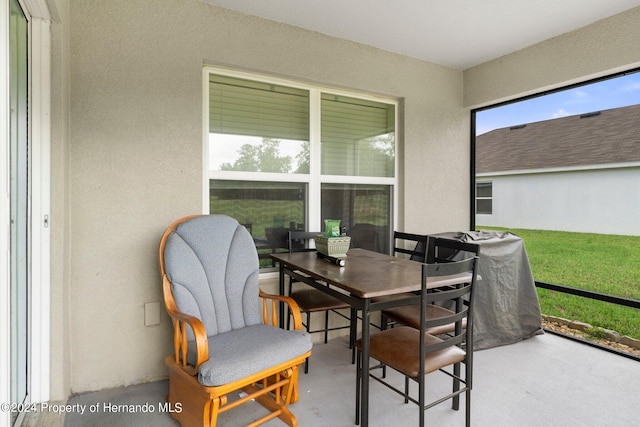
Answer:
(283, 155)
(258, 127)
(358, 137)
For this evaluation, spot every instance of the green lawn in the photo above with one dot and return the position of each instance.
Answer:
(602, 263)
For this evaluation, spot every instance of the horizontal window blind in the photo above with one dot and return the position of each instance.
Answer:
(484, 189)
(358, 137)
(244, 107)
(484, 206)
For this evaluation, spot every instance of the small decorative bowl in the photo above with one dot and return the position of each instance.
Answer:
(333, 246)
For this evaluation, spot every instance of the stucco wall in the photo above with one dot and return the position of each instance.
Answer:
(135, 154)
(60, 366)
(130, 145)
(605, 47)
(605, 201)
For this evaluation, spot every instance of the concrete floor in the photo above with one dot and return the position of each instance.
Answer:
(544, 381)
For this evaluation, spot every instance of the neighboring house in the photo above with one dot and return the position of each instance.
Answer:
(579, 173)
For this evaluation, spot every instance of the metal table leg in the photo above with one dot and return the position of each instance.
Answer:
(364, 397)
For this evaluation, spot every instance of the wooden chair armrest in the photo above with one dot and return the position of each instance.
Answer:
(181, 321)
(270, 311)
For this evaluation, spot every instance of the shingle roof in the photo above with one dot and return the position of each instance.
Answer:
(608, 136)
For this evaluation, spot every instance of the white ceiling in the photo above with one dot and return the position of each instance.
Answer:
(455, 33)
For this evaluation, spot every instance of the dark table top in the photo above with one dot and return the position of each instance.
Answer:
(366, 274)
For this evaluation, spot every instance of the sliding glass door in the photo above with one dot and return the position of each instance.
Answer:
(19, 176)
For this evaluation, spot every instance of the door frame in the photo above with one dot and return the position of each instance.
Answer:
(39, 136)
(40, 139)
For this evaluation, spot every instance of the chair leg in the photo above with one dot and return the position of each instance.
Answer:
(467, 419)
(406, 388)
(211, 412)
(353, 329)
(326, 326)
(468, 379)
(456, 386)
(384, 323)
(422, 398)
(358, 383)
(353, 333)
(288, 309)
(306, 362)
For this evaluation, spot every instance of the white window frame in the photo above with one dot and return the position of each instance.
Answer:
(483, 197)
(314, 179)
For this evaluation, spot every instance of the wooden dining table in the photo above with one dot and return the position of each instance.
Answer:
(369, 281)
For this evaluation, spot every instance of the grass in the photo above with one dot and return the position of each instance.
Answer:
(602, 263)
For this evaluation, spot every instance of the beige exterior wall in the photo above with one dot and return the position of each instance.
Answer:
(605, 47)
(128, 157)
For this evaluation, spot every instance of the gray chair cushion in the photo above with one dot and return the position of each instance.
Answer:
(242, 352)
(212, 264)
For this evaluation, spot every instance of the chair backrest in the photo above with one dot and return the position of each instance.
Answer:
(413, 245)
(299, 240)
(366, 236)
(441, 249)
(212, 264)
(459, 298)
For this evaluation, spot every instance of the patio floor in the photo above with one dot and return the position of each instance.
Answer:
(544, 381)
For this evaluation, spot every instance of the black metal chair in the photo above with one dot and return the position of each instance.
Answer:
(410, 245)
(312, 300)
(439, 250)
(415, 353)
